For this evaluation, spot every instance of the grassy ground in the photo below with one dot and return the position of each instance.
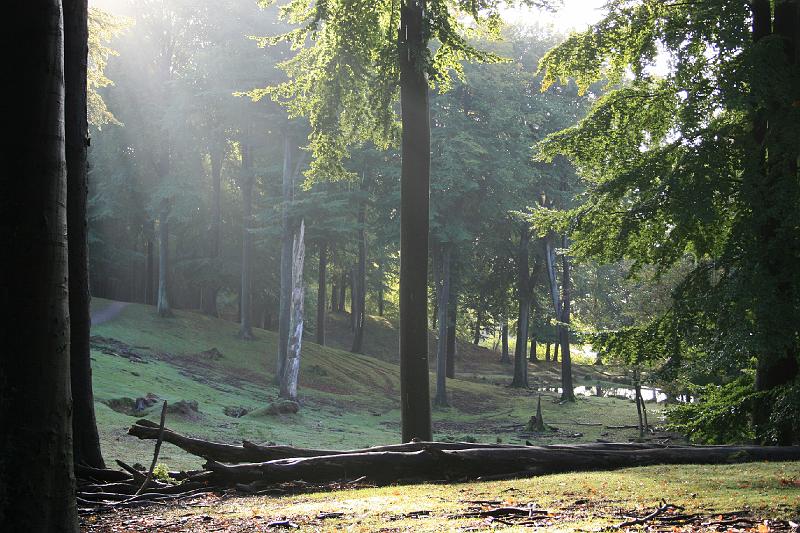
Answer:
(350, 400)
(580, 501)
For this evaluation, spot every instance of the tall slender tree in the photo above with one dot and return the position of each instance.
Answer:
(86, 441)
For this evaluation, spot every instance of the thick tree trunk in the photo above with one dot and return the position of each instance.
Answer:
(452, 317)
(164, 309)
(322, 291)
(86, 442)
(443, 294)
(211, 288)
(567, 391)
(772, 181)
(286, 262)
(246, 301)
(547, 352)
(359, 291)
(435, 463)
(524, 298)
(504, 355)
(415, 406)
(288, 388)
(37, 487)
(556, 345)
(533, 357)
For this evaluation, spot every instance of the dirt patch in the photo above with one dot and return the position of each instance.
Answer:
(185, 408)
(236, 412)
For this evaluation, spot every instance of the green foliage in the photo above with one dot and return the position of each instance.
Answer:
(161, 472)
(103, 28)
(719, 415)
(345, 74)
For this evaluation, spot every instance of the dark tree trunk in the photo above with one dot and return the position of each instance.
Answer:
(524, 298)
(452, 310)
(533, 357)
(443, 296)
(211, 288)
(164, 309)
(37, 487)
(547, 352)
(504, 356)
(86, 442)
(476, 340)
(772, 182)
(342, 292)
(334, 298)
(353, 289)
(359, 290)
(322, 291)
(568, 393)
(556, 345)
(286, 260)
(414, 211)
(246, 184)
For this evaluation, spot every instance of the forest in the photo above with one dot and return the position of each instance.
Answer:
(401, 265)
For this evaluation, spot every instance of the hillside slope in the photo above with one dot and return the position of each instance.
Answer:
(347, 400)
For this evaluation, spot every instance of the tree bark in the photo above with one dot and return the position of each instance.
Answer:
(772, 182)
(288, 388)
(533, 357)
(322, 291)
(37, 486)
(547, 352)
(211, 288)
(476, 340)
(334, 298)
(504, 356)
(86, 442)
(246, 184)
(150, 274)
(164, 309)
(286, 261)
(443, 293)
(342, 292)
(520, 379)
(434, 463)
(359, 290)
(556, 345)
(567, 391)
(415, 407)
(452, 310)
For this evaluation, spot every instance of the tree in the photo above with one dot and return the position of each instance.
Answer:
(86, 441)
(700, 161)
(37, 487)
(345, 84)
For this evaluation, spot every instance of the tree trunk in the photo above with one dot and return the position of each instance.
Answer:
(533, 357)
(322, 291)
(524, 297)
(771, 180)
(504, 356)
(288, 388)
(547, 351)
(415, 410)
(246, 184)
(286, 261)
(568, 393)
(452, 310)
(556, 345)
(476, 340)
(164, 309)
(359, 291)
(342, 292)
(334, 298)
(86, 442)
(149, 285)
(37, 487)
(433, 462)
(211, 288)
(443, 293)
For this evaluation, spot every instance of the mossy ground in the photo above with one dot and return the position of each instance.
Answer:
(350, 400)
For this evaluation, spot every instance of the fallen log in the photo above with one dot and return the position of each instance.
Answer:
(434, 463)
(255, 453)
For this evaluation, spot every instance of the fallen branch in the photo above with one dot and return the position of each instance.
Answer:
(638, 521)
(156, 451)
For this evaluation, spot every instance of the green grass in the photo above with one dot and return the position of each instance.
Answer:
(575, 501)
(347, 400)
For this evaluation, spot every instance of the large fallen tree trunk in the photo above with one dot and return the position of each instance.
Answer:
(434, 463)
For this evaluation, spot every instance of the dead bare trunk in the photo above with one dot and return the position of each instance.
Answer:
(288, 388)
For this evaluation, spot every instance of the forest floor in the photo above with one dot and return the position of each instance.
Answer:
(351, 401)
